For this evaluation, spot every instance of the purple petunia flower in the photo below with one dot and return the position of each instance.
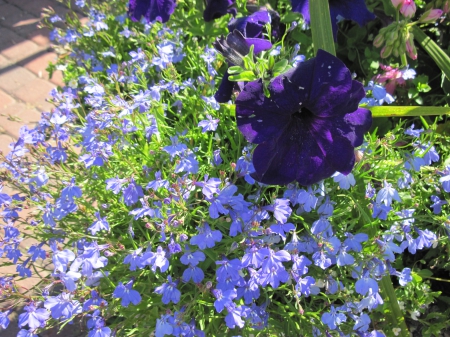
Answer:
(251, 27)
(151, 9)
(218, 8)
(310, 125)
(355, 10)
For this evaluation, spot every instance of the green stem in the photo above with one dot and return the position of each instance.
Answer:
(322, 33)
(388, 294)
(408, 111)
(436, 53)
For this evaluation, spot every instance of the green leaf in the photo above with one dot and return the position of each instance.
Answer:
(322, 33)
(424, 273)
(234, 70)
(244, 76)
(403, 111)
(437, 54)
(280, 66)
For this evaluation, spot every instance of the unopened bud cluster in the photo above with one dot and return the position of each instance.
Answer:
(397, 40)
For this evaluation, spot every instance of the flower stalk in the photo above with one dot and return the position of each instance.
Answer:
(322, 33)
(388, 294)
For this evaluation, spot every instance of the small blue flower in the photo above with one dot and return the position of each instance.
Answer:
(405, 276)
(209, 124)
(169, 291)
(223, 298)
(387, 194)
(366, 283)
(192, 258)
(345, 181)
(34, 317)
(333, 318)
(413, 132)
(132, 193)
(99, 224)
(445, 180)
(4, 319)
(437, 204)
(127, 294)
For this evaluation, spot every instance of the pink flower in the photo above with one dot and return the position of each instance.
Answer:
(393, 77)
(408, 8)
(431, 15)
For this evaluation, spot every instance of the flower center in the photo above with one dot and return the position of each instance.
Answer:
(301, 112)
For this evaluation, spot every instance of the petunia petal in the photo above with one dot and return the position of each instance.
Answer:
(217, 8)
(151, 9)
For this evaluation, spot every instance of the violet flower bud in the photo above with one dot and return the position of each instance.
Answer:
(431, 15)
(408, 8)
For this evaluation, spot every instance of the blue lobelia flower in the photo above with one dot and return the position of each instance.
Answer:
(169, 291)
(151, 9)
(355, 10)
(33, 316)
(310, 125)
(217, 8)
(127, 294)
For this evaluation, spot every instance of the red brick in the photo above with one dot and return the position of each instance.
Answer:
(5, 140)
(14, 78)
(21, 50)
(14, 17)
(35, 7)
(40, 63)
(24, 112)
(5, 99)
(4, 62)
(35, 92)
(9, 38)
(11, 125)
(40, 37)
(57, 78)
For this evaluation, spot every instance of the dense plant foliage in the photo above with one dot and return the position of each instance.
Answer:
(282, 210)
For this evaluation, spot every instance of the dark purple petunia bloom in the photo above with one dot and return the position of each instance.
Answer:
(151, 9)
(251, 30)
(355, 10)
(310, 125)
(218, 8)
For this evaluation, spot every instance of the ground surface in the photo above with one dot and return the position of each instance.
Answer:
(25, 52)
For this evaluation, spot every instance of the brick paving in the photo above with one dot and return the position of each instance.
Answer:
(25, 53)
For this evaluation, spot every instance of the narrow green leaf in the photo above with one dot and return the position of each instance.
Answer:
(436, 53)
(244, 76)
(322, 33)
(234, 69)
(388, 294)
(407, 111)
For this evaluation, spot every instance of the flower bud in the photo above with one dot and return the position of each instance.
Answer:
(410, 47)
(386, 51)
(446, 6)
(397, 3)
(408, 8)
(431, 15)
(379, 40)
